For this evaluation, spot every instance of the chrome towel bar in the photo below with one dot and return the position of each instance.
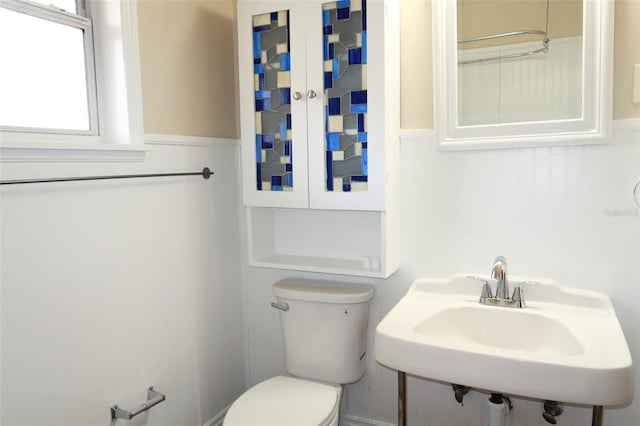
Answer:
(153, 398)
(205, 173)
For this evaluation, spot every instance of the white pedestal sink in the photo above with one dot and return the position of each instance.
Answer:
(565, 345)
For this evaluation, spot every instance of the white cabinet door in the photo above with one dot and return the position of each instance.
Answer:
(346, 120)
(272, 80)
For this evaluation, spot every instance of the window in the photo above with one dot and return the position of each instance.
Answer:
(74, 78)
(48, 80)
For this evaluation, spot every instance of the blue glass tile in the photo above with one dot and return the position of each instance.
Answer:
(288, 40)
(261, 81)
(364, 47)
(355, 56)
(365, 162)
(325, 47)
(333, 141)
(336, 69)
(257, 51)
(329, 162)
(358, 97)
(276, 181)
(328, 80)
(334, 106)
(360, 122)
(267, 142)
(285, 96)
(263, 94)
(259, 176)
(359, 178)
(283, 131)
(327, 29)
(287, 148)
(288, 179)
(346, 187)
(326, 119)
(261, 28)
(276, 188)
(332, 50)
(343, 3)
(274, 16)
(325, 17)
(259, 149)
(364, 145)
(343, 13)
(263, 104)
(362, 136)
(285, 61)
(289, 167)
(364, 15)
(257, 61)
(355, 109)
(289, 121)
(258, 69)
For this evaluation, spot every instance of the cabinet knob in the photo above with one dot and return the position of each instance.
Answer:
(312, 94)
(297, 96)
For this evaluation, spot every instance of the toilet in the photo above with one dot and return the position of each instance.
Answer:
(324, 326)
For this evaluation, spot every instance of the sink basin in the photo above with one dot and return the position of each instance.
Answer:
(566, 345)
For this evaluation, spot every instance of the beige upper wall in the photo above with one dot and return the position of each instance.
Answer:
(188, 56)
(189, 72)
(483, 17)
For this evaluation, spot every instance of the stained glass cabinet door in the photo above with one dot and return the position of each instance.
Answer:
(347, 143)
(272, 72)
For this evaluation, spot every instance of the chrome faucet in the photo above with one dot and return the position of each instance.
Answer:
(499, 273)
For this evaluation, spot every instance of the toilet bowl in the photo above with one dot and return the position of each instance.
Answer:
(286, 401)
(324, 327)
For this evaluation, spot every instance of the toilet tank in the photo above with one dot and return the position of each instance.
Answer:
(324, 328)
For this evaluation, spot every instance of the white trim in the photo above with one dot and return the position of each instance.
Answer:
(352, 420)
(620, 125)
(166, 139)
(71, 152)
(218, 418)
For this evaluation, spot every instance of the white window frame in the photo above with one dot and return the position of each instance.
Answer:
(73, 20)
(119, 130)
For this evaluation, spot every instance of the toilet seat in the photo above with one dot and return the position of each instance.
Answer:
(282, 401)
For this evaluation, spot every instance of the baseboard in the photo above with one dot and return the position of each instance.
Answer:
(218, 418)
(351, 420)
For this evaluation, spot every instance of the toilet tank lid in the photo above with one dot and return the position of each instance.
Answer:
(322, 291)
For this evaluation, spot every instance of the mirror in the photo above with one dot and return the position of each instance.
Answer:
(521, 73)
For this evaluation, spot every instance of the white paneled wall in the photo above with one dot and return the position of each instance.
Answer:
(532, 88)
(565, 213)
(110, 287)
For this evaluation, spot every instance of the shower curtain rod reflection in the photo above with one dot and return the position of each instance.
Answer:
(205, 173)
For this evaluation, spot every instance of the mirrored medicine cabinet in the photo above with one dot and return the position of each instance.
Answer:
(522, 73)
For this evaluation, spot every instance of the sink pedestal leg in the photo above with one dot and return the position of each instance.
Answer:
(596, 419)
(402, 398)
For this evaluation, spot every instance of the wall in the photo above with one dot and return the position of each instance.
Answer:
(566, 213)
(188, 57)
(483, 17)
(110, 287)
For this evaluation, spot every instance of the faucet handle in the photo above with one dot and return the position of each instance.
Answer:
(486, 292)
(518, 296)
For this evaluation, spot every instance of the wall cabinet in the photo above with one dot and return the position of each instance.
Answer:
(319, 97)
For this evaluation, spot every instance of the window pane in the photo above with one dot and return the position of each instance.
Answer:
(68, 5)
(43, 78)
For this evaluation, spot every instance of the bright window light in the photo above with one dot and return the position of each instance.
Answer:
(43, 79)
